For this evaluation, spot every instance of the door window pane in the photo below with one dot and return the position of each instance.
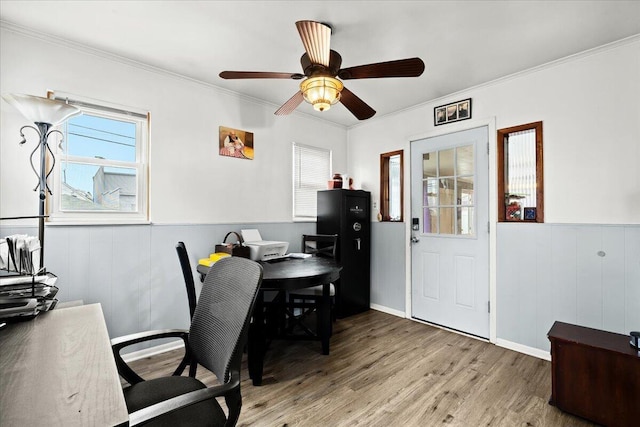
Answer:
(464, 160)
(430, 220)
(429, 165)
(466, 221)
(447, 221)
(464, 186)
(448, 191)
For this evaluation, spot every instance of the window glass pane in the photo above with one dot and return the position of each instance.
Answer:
(447, 220)
(93, 187)
(430, 220)
(100, 137)
(464, 188)
(394, 188)
(430, 165)
(311, 171)
(448, 197)
(466, 221)
(447, 194)
(521, 167)
(464, 160)
(446, 162)
(431, 195)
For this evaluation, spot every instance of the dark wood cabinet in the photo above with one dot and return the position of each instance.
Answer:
(595, 375)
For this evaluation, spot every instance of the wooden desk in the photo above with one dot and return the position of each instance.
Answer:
(595, 375)
(58, 369)
(286, 275)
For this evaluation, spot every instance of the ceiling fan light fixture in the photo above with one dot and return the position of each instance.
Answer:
(321, 92)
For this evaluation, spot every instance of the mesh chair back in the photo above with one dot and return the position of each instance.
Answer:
(220, 323)
(320, 244)
(188, 276)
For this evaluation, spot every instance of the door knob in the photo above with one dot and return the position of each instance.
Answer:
(414, 240)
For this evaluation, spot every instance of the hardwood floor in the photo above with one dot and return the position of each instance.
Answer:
(388, 371)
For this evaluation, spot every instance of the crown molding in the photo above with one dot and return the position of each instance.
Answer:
(48, 38)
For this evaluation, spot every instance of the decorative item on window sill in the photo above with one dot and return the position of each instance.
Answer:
(44, 113)
(513, 210)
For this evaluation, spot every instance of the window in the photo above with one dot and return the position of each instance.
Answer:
(520, 173)
(311, 171)
(101, 172)
(448, 191)
(391, 186)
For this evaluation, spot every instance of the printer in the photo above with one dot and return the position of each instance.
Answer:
(263, 250)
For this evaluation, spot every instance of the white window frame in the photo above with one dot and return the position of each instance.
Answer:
(141, 165)
(305, 199)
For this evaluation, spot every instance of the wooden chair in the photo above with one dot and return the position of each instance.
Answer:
(306, 300)
(216, 339)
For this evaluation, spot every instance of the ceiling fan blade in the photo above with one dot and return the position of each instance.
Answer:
(357, 106)
(316, 38)
(411, 67)
(290, 105)
(259, 75)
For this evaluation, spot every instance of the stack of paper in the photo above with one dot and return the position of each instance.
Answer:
(23, 296)
(20, 253)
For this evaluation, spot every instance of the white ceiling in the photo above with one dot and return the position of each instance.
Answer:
(463, 43)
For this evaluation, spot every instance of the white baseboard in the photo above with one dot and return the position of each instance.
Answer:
(388, 310)
(152, 351)
(531, 351)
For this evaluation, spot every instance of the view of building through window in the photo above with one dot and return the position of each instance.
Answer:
(98, 165)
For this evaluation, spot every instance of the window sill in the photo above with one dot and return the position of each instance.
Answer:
(75, 223)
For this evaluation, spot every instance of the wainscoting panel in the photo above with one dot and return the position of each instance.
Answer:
(583, 274)
(632, 278)
(133, 270)
(388, 243)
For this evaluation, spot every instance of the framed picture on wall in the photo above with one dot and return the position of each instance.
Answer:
(454, 112)
(235, 143)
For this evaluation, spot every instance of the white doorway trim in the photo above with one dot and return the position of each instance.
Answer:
(490, 123)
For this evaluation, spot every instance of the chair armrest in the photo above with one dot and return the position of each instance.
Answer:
(127, 340)
(150, 412)
(119, 343)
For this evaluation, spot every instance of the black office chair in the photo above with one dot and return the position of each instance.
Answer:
(188, 276)
(216, 339)
(191, 296)
(306, 300)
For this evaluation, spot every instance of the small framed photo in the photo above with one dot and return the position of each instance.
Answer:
(529, 214)
(454, 112)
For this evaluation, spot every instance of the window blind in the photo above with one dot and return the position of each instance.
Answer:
(311, 171)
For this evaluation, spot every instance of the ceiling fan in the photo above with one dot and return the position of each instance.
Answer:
(321, 70)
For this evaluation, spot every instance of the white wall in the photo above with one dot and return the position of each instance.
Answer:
(189, 181)
(195, 195)
(591, 128)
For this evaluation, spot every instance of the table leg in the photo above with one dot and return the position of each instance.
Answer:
(256, 345)
(324, 318)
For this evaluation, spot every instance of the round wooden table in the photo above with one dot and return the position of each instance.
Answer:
(285, 275)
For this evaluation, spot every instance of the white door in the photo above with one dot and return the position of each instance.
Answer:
(450, 231)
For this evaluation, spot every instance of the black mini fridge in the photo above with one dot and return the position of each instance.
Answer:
(347, 214)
